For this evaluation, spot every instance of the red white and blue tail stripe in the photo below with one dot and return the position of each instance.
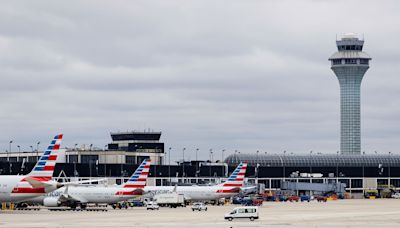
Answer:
(235, 180)
(42, 172)
(44, 168)
(139, 177)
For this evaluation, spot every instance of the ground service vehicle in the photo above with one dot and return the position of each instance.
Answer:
(305, 198)
(199, 207)
(321, 198)
(152, 206)
(121, 205)
(293, 199)
(247, 201)
(396, 195)
(172, 199)
(136, 203)
(237, 200)
(283, 198)
(243, 212)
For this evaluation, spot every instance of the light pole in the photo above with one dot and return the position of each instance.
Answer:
(183, 162)
(169, 165)
(390, 164)
(19, 152)
(236, 158)
(210, 161)
(37, 150)
(9, 151)
(284, 160)
(310, 162)
(105, 160)
(337, 164)
(155, 165)
(363, 166)
(223, 165)
(197, 162)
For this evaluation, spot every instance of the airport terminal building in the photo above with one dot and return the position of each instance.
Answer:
(359, 172)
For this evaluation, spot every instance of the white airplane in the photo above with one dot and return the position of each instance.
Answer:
(227, 189)
(79, 195)
(16, 188)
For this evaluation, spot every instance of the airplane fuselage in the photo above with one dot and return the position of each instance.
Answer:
(14, 188)
(87, 194)
(193, 193)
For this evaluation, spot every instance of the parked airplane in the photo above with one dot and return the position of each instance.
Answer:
(73, 196)
(200, 193)
(16, 188)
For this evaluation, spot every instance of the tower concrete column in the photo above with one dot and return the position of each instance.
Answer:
(349, 65)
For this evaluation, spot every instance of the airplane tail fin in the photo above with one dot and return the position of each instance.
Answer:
(44, 168)
(235, 180)
(139, 177)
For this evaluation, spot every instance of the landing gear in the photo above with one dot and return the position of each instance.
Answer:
(73, 206)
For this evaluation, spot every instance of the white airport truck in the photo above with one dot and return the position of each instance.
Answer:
(170, 200)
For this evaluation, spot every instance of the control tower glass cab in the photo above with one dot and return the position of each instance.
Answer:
(349, 65)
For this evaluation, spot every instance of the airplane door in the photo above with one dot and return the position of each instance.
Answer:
(4, 192)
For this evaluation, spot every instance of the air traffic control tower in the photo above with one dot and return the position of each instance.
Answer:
(350, 64)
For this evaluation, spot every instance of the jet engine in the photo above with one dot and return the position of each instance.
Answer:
(51, 202)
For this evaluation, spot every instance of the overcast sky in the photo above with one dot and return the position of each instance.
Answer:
(235, 75)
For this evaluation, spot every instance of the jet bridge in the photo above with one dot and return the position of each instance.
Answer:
(323, 188)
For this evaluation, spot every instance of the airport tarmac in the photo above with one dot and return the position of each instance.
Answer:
(340, 213)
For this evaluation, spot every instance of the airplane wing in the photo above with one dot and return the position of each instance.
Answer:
(248, 190)
(138, 191)
(66, 197)
(37, 184)
(235, 189)
(41, 184)
(82, 182)
(72, 198)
